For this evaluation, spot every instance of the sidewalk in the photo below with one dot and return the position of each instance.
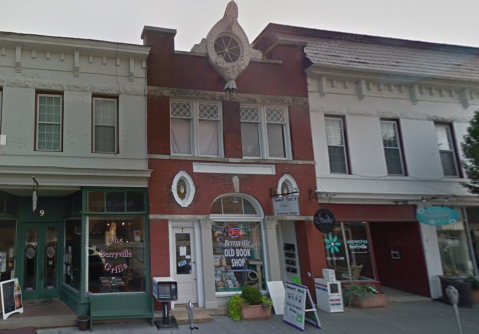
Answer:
(397, 318)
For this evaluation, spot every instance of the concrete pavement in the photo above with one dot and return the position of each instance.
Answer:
(398, 318)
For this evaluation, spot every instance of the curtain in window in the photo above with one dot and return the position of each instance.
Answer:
(208, 138)
(391, 148)
(276, 141)
(250, 139)
(336, 149)
(180, 136)
(446, 150)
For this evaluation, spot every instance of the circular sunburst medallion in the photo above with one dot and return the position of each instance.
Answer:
(228, 48)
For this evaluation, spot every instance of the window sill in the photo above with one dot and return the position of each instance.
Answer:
(231, 160)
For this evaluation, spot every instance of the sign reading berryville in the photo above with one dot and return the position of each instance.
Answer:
(324, 221)
(437, 215)
(286, 206)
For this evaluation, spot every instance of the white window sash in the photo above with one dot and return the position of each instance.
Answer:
(115, 125)
(398, 147)
(343, 140)
(60, 123)
(1, 103)
(452, 149)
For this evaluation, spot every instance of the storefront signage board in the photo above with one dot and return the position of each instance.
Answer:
(11, 297)
(437, 215)
(276, 293)
(286, 206)
(296, 299)
(324, 221)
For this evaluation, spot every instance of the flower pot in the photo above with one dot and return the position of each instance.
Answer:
(255, 312)
(376, 300)
(83, 322)
(475, 296)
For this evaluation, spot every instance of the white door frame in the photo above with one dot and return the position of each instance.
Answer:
(197, 247)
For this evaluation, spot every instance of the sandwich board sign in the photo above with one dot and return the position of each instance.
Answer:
(297, 299)
(11, 297)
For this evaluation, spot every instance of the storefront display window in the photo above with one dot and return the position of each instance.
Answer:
(72, 258)
(237, 252)
(348, 252)
(454, 249)
(7, 248)
(116, 254)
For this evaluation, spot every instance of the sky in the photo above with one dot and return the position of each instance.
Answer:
(447, 22)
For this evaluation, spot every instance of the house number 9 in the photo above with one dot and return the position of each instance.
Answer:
(42, 213)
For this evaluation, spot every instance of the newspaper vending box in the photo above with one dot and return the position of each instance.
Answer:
(328, 292)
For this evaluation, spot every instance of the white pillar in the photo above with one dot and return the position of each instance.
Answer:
(272, 249)
(208, 264)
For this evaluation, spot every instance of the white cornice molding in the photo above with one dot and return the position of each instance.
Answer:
(63, 171)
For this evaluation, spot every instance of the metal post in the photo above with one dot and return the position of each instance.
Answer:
(166, 315)
(453, 296)
(189, 309)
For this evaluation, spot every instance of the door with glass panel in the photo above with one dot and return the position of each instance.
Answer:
(41, 260)
(183, 258)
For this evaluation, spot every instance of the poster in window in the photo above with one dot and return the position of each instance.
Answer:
(11, 297)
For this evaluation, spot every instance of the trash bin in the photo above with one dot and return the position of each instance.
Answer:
(462, 285)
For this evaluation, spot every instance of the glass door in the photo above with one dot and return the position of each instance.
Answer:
(41, 260)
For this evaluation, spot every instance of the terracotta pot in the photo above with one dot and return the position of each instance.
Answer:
(475, 296)
(376, 300)
(255, 312)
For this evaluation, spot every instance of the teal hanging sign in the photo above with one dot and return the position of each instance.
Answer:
(437, 215)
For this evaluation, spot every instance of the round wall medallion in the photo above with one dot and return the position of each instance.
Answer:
(183, 189)
(30, 253)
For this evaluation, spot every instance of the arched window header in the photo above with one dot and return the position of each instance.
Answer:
(236, 205)
(287, 185)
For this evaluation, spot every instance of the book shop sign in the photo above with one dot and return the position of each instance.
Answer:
(286, 206)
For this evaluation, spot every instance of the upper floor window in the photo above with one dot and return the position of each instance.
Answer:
(196, 128)
(337, 149)
(265, 132)
(105, 125)
(447, 150)
(49, 125)
(392, 147)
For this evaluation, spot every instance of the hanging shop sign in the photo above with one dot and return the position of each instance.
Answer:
(324, 221)
(286, 205)
(437, 215)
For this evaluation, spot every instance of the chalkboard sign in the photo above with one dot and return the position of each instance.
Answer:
(11, 297)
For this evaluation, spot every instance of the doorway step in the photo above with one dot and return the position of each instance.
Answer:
(201, 315)
(398, 296)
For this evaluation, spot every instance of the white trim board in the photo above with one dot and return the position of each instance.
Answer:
(201, 167)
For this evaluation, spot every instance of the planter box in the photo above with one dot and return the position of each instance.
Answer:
(255, 312)
(378, 300)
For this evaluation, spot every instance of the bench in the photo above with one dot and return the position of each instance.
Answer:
(118, 306)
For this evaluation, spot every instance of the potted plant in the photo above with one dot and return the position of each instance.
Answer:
(474, 289)
(251, 304)
(83, 322)
(364, 296)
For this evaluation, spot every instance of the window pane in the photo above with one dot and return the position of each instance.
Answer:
(115, 201)
(276, 141)
(180, 136)
(454, 250)
(72, 267)
(232, 205)
(336, 253)
(7, 247)
(334, 132)
(448, 163)
(105, 139)
(359, 251)
(116, 255)
(443, 138)
(217, 207)
(208, 138)
(49, 137)
(105, 112)
(183, 244)
(389, 133)
(135, 201)
(250, 139)
(337, 159)
(393, 161)
(95, 201)
(237, 256)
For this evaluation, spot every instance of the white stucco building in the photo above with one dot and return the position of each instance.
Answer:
(73, 116)
(388, 118)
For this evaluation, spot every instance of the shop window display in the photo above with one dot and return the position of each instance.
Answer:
(72, 258)
(237, 255)
(116, 254)
(454, 250)
(7, 248)
(348, 252)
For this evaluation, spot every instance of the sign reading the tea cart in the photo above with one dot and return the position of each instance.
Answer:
(286, 205)
(437, 215)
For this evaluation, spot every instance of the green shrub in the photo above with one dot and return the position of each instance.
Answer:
(234, 307)
(474, 282)
(362, 291)
(251, 296)
(266, 302)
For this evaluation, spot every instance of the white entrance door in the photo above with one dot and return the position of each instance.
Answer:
(184, 264)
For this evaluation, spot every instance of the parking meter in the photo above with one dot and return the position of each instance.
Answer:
(189, 309)
(453, 296)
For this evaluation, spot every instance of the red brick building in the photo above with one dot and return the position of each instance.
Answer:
(229, 130)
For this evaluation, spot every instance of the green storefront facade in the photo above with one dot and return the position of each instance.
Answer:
(92, 241)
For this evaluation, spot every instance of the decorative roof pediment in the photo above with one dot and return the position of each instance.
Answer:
(228, 48)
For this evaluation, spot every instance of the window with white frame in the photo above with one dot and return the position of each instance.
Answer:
(336, 145)
(1, 98)
(265, 132)
(196, 128)
(446, 149)
(49, 122)
(105, 125)
(392, 147)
